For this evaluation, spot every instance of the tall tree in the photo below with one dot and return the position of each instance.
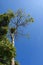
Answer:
(19, 22)
(14, 24)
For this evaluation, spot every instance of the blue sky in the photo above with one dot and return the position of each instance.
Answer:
(29, 51)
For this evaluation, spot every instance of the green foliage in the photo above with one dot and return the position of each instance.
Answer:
(4, 21)
(5, 18)
(3, 32)
(17, 63)
(7, 49)
(2, 63)
(12, 30)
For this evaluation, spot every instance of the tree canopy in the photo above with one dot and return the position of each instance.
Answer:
(4, 21)
(18, 20)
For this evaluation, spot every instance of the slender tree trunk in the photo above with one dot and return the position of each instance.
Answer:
(13, 61)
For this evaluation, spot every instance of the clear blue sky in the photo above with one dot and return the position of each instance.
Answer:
(29, 51)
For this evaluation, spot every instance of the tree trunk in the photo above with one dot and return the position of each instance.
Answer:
(12, 60)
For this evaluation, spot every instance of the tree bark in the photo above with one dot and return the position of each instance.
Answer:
(12, 60)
